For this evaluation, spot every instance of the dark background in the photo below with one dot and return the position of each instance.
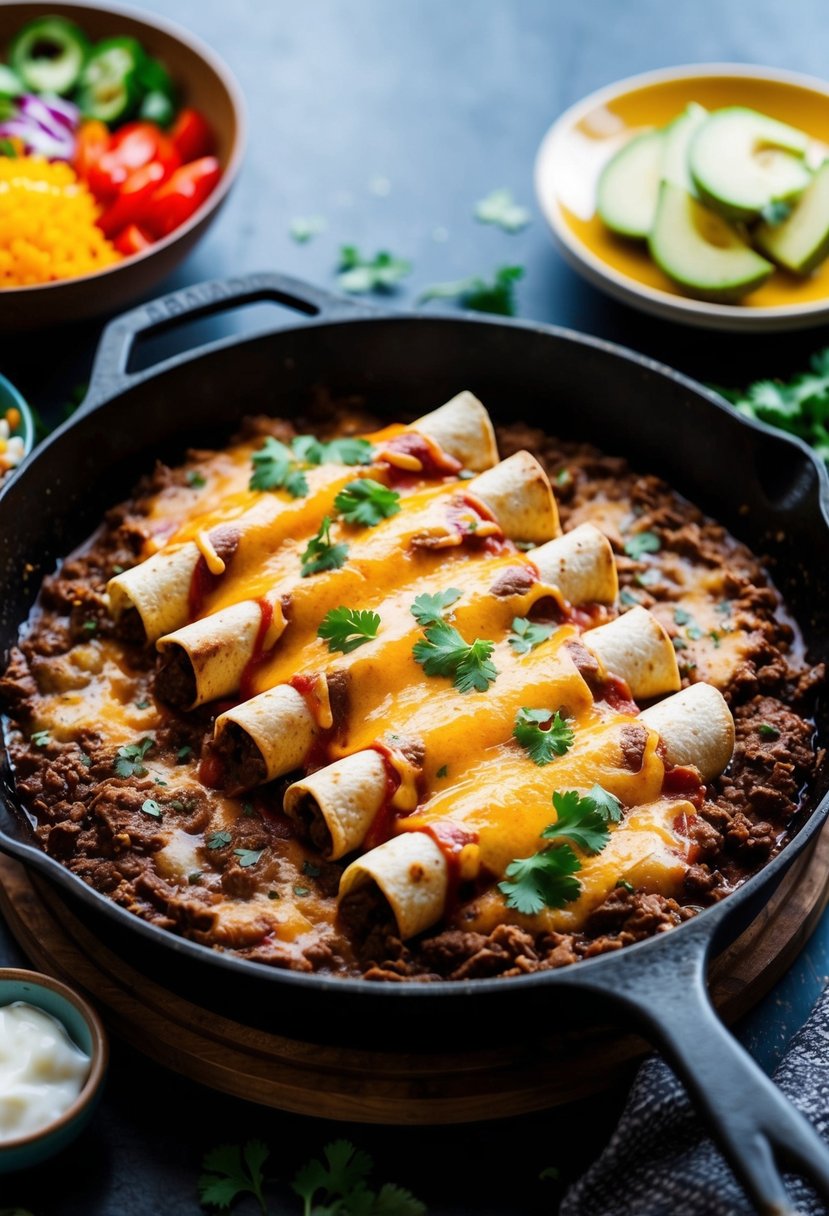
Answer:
(391, 119)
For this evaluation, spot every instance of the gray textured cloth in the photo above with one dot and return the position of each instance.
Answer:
(659, 1162)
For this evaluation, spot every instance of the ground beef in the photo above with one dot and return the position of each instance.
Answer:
(101, 824)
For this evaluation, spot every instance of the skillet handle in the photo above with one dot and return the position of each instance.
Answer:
(755, 1126)
(109, 371)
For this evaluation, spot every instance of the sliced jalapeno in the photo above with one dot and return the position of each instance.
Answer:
(48, 55)
(10, 83)
(158, 108)
(110, 84)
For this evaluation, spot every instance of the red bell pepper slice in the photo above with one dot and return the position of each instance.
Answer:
(191, 136)
(91, 141)
(133, 239)
(133, 198)
(181, 195)
(130, 148)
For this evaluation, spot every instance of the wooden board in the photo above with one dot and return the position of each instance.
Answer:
(384, 1087)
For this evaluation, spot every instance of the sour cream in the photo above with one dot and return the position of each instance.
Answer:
(41, 1070)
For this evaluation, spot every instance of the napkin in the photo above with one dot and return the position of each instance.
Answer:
(660, 1162)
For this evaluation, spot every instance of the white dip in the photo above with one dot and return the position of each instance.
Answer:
(41, 1070)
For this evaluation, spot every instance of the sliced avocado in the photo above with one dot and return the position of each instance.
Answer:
(742, 160)
(801, 242)
(678, 136)
(701, 251)
(628, 188)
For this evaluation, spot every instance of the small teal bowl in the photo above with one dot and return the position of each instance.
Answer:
(84, 1028)
(10, 398)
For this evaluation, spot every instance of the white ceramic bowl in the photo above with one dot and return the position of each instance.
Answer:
(581, 141)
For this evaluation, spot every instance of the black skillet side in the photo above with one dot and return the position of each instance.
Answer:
(765, 487)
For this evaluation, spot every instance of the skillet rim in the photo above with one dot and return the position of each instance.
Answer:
(702, 928)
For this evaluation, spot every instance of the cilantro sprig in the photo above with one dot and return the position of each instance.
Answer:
(640, 543)
(366, 502)
(429, 609)
(345, 629)
(321, 553)
(359, 274)
(347, 449)
(546, 878)
(276, 466)
(129, 759)
(443, 652)
(335, 1184)
(495, 295)
(527, 634)
(543, 734)
(799, 405)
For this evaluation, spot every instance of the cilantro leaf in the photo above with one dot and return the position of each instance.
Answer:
(274, 468)
(304, 227)
(367, 502)
(579, 820)
(501, 209)
(428, 609)
(766, 731)
(248, 857)
(218, 840)
(543, 880)
(443, 652)
(358, 274)
(129, 760)
(230, 1171)
(526, 634)
(543, 734)
(321, 554)
(348, 449)
(196, 480)
(496, 295)
(150, 807)
(40, 738)
(344, 1169)
(640, 543)
(607, 804)
(347, 628)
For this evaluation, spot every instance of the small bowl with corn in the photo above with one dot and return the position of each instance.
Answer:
(17, 429)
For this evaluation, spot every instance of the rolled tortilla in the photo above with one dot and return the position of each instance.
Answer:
(207, 659)
(696, 728)
(462, 427)
(265, 737)
(411, 872)
(580, 564)
(518, 493)
(506, 819)
(158, 589)
(637, 648)
(338, 804)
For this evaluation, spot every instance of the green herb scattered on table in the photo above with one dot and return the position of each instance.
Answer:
(799, 405)
(495, 295)
(501, 209)
(358, 275)
(305, 227)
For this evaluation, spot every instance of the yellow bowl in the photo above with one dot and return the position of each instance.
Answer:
(202, 81)
(578, 145)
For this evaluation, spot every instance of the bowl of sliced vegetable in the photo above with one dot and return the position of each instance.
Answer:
(699, 194)
(120, 138)
(17, 428)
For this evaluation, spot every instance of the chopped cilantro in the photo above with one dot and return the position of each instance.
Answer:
(301, 891)
(501, 209)
(694, 632)
(627, 598)
(724, 607)
(443, 771)
(144, 704)
(150, 807)
(640, 543)
(358, 274)
(85, 760)
(348, 450)
(345, 629)
(526, 634)
(196, 480)
(90, 627)
(496, 295)
(429, 609)
(305, 227)
(366, 502)
(184, 753)
(248, 809)
(117, 569)
(715, 638)
(625, 885)
(248, 857)
(543, 734)
(767, 731)
(218, 840)
(321, 554)
(563, 477)
(648, 577)
(194, 878)
(40, 738)
(129, 760)
(310, 870)
(274, 468)
(681, 617)
(680, 644)
(443, 652)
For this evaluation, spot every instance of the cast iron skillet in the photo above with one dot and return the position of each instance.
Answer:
(766, 487)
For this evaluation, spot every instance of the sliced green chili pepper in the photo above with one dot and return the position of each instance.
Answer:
(10, 83)
(48, 55)
(158, 108)
(110, 84)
